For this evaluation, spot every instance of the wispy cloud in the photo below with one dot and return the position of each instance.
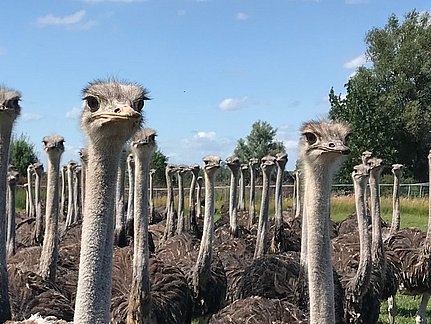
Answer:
(230, 104)
(355, 62)
(76, 19)
(74, 113)
(30, 116)
(241, 16)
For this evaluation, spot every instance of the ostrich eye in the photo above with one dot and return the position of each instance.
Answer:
(93, 103)
(13, 103)
(138, 104)
(311, 138)
(347, 138)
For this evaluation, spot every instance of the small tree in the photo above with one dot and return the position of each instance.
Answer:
(159, 162)
(259, 143)
(22, 153)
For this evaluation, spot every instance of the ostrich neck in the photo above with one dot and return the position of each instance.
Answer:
(320, 274)
(192, 197)
(48, 261)
(120, 220)
(363, 274)
(278, 195)
(233, 203)
(151, 192)
(95, 270)
(140, 294)
(170, 226)
(5, 133)
(130, 200)
(180, 225)
(11, 194)
(395, 226)
(203, 262)
(377, 253)
(252, 194)
(262, 229)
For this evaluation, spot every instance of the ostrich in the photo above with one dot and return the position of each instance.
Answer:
(199, 181)
(241, 195)
(111, 115)
(159, 293)
(12, 179)
(83, 155)
(38, 228)
(322, 149)
(151, 195)
(252, 164)
(32, 209)
(131, 197)
(191, 223)
(54, 148)
(77, 208)
(234, 165)
(204, 271)
(410, 249)
(397, 170)
(120, 217)
(27, 203)
(170, 207)
(63, 191)
(181, 225)
(267, 166)
(356, 275)
(70, 198)
(278, 237)
(9, 111)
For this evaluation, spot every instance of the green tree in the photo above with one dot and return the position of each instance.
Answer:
(260, 142)
(389, 103)
(159, 162)
(22, 153)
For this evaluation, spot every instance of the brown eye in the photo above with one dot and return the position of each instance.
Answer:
(92, 103)
(311, 138)
(138, 104)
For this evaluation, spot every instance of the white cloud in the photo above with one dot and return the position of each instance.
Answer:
(205, 135)
(30, 116)
(241, 16)
(74, 113)
(76, 19)
(355, 62)
(230, 104)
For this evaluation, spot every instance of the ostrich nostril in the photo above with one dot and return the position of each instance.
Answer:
(117, 110)
(332, 145)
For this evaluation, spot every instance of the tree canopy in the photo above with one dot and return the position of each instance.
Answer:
(259, 143)
(388, 103)
(159, 162)
(22, 153)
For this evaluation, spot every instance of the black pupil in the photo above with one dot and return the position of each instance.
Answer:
(92, 103)
(311, 138)
(139, 104)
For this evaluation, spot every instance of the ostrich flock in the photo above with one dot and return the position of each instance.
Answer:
(90, 254)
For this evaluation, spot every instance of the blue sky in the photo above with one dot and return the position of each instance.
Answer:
(213, 67)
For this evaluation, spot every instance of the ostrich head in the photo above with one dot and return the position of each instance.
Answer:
(195, 168)
(324, 142)
(112, 111)
(9, 105)
(361, 174)
(365, 156)
(144, 142)
(12, 176)
(376, 166)
(211, 163)
(53, 145)
(233, 163)
(281, 159)
(38, 168)
(397, 169)
(267, 164)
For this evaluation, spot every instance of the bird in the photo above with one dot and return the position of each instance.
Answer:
(158, 292)
(9, 111)
(12, 179)
(120, 216)
(112, 113)
(253, 164)
(204, 270)
(54, 148)
(39, 223)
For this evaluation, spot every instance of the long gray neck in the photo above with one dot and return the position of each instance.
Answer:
(93, 295)
(83, 180)
(203, 262)
(139, 310)
(298, 196)
(70, 196)
(262, 231)
(170, 226)
(192, 200)
(198, 200)
(252, 211)
(279, 193)
(320, 275)
(395, 226)
(151, 196)
(38, 229)
(120, 215)
(241, 198)
(63, 191)
(233, 201)
(49, 256)
(5, 133)
(77, 196)
(377, 252)
(131, 199)
(180, 224)
(11, 194)
(363, 273)
(30, 194)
